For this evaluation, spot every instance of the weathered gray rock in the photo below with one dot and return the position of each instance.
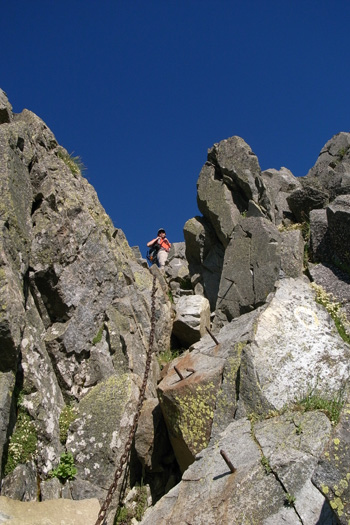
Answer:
(292, 253)
(251, 268)
(22, 483)
(279, 184)
(210, 493)
(98, 435)
(192, 319)
(54, 512)
(338, 217)
(335, 282)
(75, 300)
(176, 269)
(215, 202)
(320, 244)
(42, 396)
(332, 474)
(332, 169)
(5, 108)
(53, 489)
(205, 255)
(238, 167)
(7, 415)
(305, 199)
(296, 349)
(290, 445)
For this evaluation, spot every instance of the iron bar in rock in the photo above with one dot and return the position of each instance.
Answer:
(178, 372)
(227, 461)
(212, 336)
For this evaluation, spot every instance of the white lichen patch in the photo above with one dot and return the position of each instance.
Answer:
(307, 317)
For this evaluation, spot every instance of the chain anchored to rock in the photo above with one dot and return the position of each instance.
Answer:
(125, 455)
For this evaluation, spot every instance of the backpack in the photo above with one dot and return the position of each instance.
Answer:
(152, 253)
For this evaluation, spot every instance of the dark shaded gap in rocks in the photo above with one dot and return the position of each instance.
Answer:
(38, 200)
(46, 282)
(26, 286)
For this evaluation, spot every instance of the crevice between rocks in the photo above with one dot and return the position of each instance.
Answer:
(272, 471)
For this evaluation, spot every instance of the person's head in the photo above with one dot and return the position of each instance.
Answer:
(161, 232)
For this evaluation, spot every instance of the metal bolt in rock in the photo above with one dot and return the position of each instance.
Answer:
(227, 461)
(178, 373)
(212, 336)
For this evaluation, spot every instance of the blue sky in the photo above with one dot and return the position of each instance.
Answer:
(141, 89)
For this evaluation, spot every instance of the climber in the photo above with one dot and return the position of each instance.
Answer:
(162, 246)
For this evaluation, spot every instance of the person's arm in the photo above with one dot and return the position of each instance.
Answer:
(150, 243)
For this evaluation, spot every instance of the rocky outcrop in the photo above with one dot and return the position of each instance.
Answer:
(331, 171)
(75, 312)
(250, 270)
(247, 412)
(192, 319)
(235, 251)
(271, 482)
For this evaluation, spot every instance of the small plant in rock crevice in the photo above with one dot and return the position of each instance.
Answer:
(299, 429)
(316, 401)
(67, 416)
(74, 163)
(167, 356)
(289, 500)
(134, 509)
(23, 442)
(334, 309)
(66, 470)
(266, 464)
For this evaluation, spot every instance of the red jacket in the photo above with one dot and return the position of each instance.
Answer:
(164, 244)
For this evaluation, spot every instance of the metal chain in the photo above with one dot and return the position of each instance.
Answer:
(124, 457)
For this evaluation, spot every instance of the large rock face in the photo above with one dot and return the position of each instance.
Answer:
(75, 311)
(251, 268)
(235, 251)
(263, 376)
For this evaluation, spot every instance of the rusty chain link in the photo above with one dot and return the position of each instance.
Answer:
(124, 457)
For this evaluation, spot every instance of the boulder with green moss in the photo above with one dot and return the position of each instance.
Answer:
(187, 397)
(98, 435)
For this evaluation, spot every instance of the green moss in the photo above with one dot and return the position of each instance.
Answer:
(195, 415)
(22, 444)
(104, 405)
(98, 336)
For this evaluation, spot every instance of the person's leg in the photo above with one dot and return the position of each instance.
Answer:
(162, 257)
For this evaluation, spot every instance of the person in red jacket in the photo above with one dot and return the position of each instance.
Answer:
(163, 246)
